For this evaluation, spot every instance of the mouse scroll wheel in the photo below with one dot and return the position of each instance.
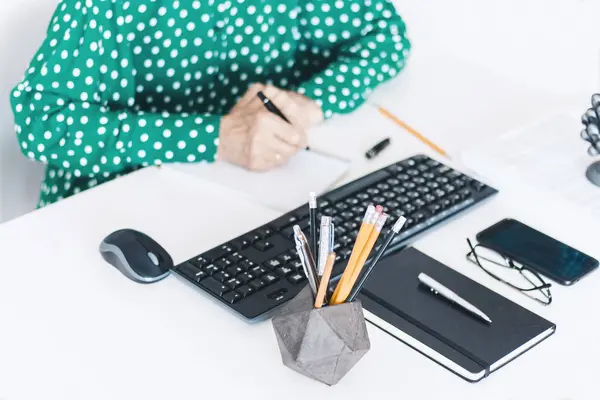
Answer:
(153, 258)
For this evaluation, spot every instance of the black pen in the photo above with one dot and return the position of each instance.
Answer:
(386, 243)
(312, 212)
(271, 107)
(378, 148)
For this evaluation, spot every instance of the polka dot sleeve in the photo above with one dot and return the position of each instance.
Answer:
(76, 106)
(370, 46)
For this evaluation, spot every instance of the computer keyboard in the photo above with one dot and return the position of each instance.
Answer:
(260, 270)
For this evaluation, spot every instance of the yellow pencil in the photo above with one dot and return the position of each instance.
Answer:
(320, 299)
(371, 216)
(416, 134)
(364, 255)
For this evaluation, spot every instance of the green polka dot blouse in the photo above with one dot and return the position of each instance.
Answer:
(119, 85)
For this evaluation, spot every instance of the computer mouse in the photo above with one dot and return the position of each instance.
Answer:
(136, 255)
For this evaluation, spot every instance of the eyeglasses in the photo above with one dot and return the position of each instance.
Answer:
(511, 273)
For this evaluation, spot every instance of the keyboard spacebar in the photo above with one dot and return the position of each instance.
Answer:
(356, 186)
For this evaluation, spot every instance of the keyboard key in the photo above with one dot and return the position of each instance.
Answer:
(408, 208)
(389, 195)
(432, 185)
(263, 245)
(245, 290)
(302, 212)
(429, 198)
(232, 297)
(412, 194)
(264, 232)
(393, 182)
(465, 194)
(214, 286)
(408, 163)
(295, 264)
(403, 177)
(233, 283)
(218, 252)
(373, 191)
(351, 226)
(234, 270)
(221, 276)
(246, 265)
(258, 271)
(347, 215)
(272, 264)
(478, 186)
(412, 172)
(235, 258)
(285, 258)
(211, 269)
(223, 263)
(339, 231)
(296, 278)
(423, 189)
(445, 203)
(428, 175)
(359, 210)
(434, 208)
(199, 261)
(455, 198)
(422, 167)
(345, 253)
(251, 238)
(245, 277)
(189, 270)
(439, 193)
(379, 199)
(432, 163)
(270, 278)
(419, 217)
(418, 180)
(409, 185)
(283, 222)
(419, 203)
(362, 196)
(442, 180)
(396, 169)
(383, 186)
(341, 206)
(352, 201)
(285, 270)
(256, 284)
(200, 275)
(239, 244)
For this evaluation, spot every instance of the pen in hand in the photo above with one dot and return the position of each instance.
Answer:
(271, 107)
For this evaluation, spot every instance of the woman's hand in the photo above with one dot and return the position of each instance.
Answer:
(259, 140)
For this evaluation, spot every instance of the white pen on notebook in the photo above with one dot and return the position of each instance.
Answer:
(441, 290)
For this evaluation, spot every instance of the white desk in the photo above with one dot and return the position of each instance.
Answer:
(74, 328)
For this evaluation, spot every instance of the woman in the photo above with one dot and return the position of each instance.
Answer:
(118, 85)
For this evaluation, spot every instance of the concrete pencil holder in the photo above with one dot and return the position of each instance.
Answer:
(322, 343)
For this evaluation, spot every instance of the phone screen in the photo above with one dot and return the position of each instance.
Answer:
(537, 251)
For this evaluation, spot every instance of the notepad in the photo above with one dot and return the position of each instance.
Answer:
(396, 302)
(283, 188)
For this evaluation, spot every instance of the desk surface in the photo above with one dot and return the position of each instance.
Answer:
(74, 328)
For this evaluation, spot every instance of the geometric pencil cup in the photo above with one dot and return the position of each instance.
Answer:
(324, 343)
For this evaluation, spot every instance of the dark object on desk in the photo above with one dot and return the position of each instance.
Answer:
(322, 343)
(447, 334)
(136, 255)
(538, 251)
(378, 148)
(591, 134)
(259, 271)
(271, 107)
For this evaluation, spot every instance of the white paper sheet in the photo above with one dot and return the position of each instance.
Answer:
(547, 158)
(283, 188)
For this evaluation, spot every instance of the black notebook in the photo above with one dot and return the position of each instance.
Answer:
(396, 302)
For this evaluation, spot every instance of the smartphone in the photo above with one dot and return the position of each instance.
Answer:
(539, 252)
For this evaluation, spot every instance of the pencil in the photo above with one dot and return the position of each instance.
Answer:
(320, 299)
(371, 216)
(389, 237)
(364, 255)
(412, 131)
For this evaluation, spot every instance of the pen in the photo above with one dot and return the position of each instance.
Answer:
(389, 237)
(441, 290)
(378, 148)
(307, 259)
(412, 131)
(326, 241)
(271, 107)
(312, 214)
